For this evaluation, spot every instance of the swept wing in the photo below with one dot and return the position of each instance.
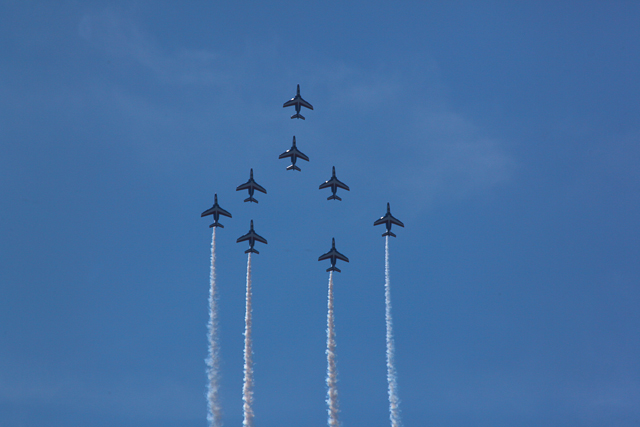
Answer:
(336, 182)
(251, 184)
(294, 151)
(333, 254)
(252, 235)
(216, 209)
(289, 103)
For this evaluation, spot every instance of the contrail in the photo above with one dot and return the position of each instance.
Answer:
(392, 378)
(214, 415)
(332, 373)
(247, 389)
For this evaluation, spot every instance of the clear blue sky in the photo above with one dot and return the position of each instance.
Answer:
(505, 136)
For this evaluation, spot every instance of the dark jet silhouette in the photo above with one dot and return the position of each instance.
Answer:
(252, 237)
(216, 211)
(334, 183)
(333, 255)
(388, 220)
(251, 185)
(297, 102)
(295, 154)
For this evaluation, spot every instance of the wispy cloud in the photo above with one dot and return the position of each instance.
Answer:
(449, 156)
(432, 152)
(119, 36)
(357, 89)
(436, 154)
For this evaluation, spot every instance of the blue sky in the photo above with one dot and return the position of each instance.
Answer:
(505, 137)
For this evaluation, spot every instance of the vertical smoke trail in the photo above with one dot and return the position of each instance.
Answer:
(247, 389)
(332, 374)
(214, 415)
(394, 401)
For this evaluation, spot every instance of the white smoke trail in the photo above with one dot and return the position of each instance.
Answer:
(214, 415)
(247, 389)
(332, 373)
(394, 401)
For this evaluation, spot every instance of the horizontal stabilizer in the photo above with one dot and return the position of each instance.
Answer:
(251, 250)
(388, 233)
(334, 269)
(293, 167)
(216, 224)
(334, 197)
(298, 116)
(251, 199)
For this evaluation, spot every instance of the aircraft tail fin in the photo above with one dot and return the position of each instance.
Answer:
(334, 269)
(388, 233)
(334, 197)
(250, 199)
(251, 250)
(298, 116)
(293, 167)
(216, 224)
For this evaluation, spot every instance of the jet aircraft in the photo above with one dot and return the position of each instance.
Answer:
(297, 102)
(388, 220)
(251, 185)
(334, 183)
(333, 255)
(252, 237)
(216, 211)
(294, 153)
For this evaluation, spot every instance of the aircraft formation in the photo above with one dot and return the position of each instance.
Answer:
(332, 183)
(333, 256)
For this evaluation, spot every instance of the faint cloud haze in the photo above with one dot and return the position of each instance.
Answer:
(449, 157)
(119, 36)
(437, 153)
(351, 87)
(434, 153)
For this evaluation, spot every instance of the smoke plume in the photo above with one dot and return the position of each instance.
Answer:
(394, 401)
(214, 415)
(332, 374)
(247, 389)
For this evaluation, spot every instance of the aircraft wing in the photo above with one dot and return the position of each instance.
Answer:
(325, 184)
(213, 210)
(286, 154)
(243, 238)
(244, 186)
(305, 104)
(397, 222)
(342, 185)
(259, 187)
(209, 211)
(289, 103)
(325, 256)
(259, 238)
(223, 212)
(341, 257)
(382, 220)
(303, 156)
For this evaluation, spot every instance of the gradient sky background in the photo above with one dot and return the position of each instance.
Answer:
(505, 136)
